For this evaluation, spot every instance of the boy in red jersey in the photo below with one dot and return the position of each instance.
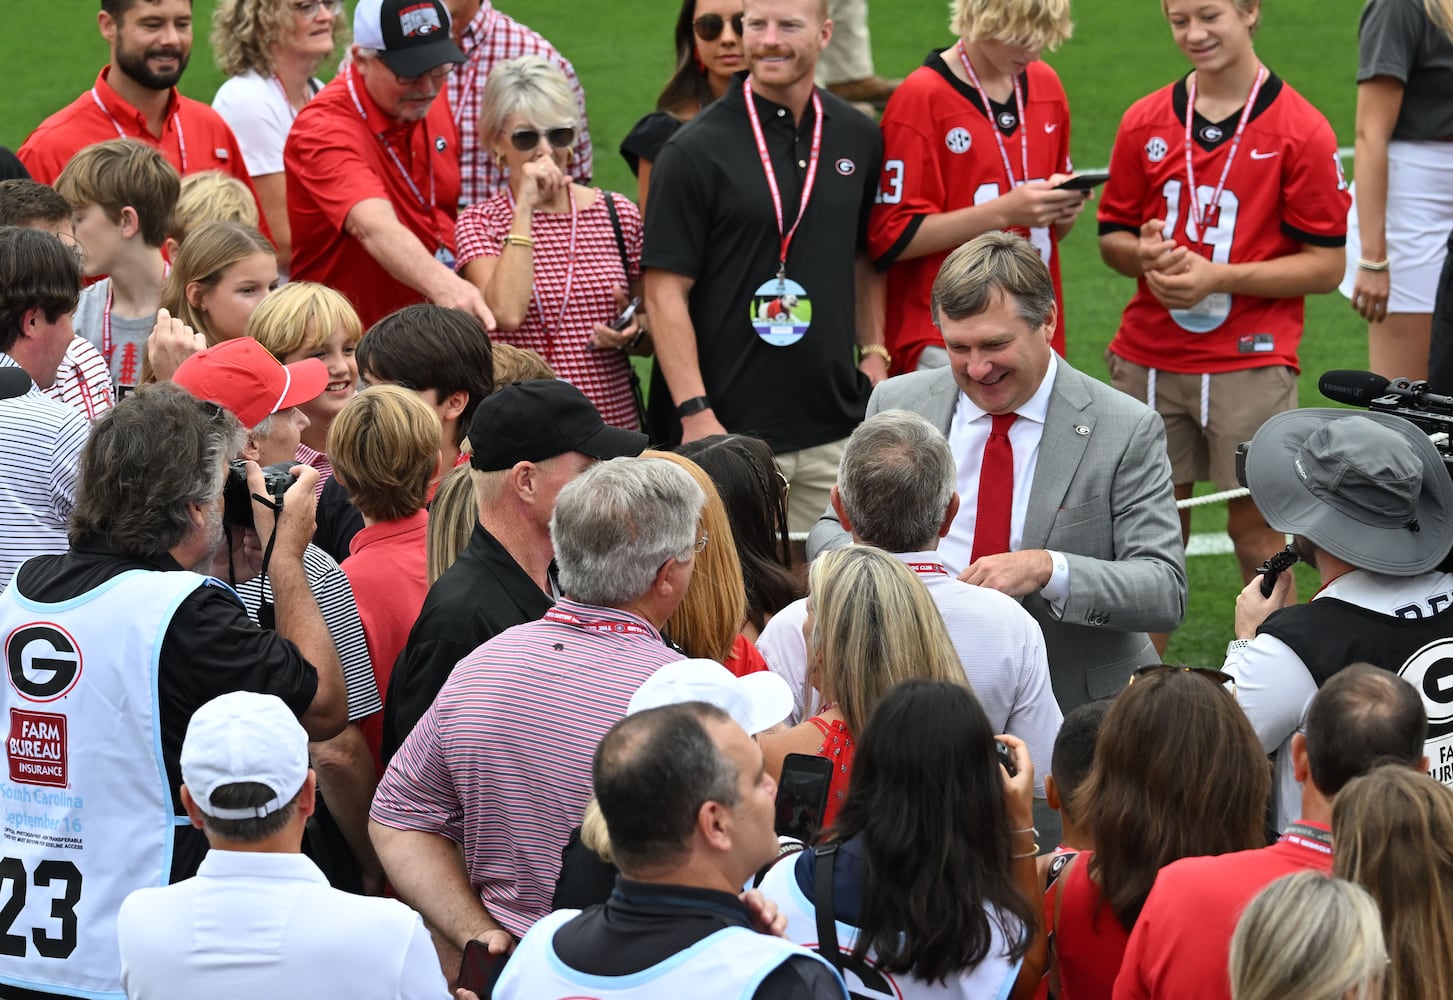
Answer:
(973, 141)
(1210, 338)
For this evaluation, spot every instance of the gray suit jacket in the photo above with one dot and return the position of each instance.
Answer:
(1102, 496)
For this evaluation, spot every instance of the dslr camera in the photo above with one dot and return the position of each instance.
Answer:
(237, 497)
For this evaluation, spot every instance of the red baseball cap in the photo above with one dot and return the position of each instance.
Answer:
(241, 376)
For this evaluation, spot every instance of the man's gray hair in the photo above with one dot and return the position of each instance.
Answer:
(158, 451)
(895, 481)
(617, 522)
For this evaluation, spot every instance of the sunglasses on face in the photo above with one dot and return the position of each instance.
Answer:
(708, 26)
(1219, 677)
(559, 137)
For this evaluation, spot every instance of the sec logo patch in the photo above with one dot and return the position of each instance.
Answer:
(1156, 149)
(958, 140)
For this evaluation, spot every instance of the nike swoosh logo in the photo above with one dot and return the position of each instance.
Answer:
(1257, 154)
(1051, 126)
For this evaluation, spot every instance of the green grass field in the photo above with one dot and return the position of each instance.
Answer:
(1121, 50)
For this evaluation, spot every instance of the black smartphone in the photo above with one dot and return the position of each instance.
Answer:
(1082, 182)
(1006, 757)
(626, 315)
(802, 795)
(480, 970)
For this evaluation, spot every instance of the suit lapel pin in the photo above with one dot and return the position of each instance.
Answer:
(1081, 430)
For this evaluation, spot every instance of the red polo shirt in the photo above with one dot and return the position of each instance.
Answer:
(343, 150)
(193, 136)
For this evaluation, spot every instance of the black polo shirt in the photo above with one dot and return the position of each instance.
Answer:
(481, 595)
(211, 648)
(712, 220)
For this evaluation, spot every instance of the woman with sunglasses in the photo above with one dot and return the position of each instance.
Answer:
(270, 50)
(1178, 773)
(708, 53)
(558, 263)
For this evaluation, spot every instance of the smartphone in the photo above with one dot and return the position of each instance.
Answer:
(627, 314)
(1082, 182)
(802, 795)
(480, 970)
(1006, 757)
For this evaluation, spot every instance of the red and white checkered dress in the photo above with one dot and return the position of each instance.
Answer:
(563, 340)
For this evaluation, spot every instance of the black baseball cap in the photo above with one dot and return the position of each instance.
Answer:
(536, 420)
(411, 36)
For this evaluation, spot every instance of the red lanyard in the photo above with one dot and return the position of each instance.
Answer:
(121, 132)
(928, 568)
(766, 158)
(994, 126)
(569, 268)
(619, 627)
(107, 348)
(467, 80)
(287, 99)
(426, 205)
(1213, 207)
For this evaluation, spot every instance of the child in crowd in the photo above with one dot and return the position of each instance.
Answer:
(384, 446)
(517, 364)
(81, 381)
(121, 194)
(220, 275)
(1074, 752)
(307, 320)
(209, 196)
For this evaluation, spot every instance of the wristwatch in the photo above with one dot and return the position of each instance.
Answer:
(693, 405)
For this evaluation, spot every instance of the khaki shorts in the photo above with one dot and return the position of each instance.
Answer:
(811, 473)
(1207, 416)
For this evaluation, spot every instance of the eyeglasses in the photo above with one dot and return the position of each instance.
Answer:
(1218, 677)
(309, 8)
(701, 542)
(559, 137)
(437, 73)
(708, 26)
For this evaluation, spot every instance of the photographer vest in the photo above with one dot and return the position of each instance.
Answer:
(88, 809)
(734, 961)
(1329, 634)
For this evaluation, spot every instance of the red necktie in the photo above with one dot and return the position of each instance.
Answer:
(996, 490)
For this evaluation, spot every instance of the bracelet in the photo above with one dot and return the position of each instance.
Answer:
(1028, 829)
(1032, 854)
(1363, 264)
(879, 350)
(693, 405)
(510, 239)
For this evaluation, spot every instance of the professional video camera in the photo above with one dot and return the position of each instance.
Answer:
(1429, 411)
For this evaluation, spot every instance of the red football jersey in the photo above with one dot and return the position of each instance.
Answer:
(939, 154)
(1285, 189)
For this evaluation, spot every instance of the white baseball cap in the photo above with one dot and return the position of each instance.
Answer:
(756, 702)
(240, 737)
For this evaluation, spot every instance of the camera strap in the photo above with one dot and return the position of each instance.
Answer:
(266, 612)
(827, 944)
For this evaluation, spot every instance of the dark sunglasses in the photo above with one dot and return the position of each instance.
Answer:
(708, 26)
(1218, 677)
(526, 139)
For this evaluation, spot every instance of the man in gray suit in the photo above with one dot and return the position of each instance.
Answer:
(1092, 546)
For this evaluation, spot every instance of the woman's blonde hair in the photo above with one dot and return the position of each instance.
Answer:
(245, 33)
(708, 619)
(211, 196)
(1393, 828)
(874, 625)
(1038, 24)
(530, 87)
(1308, 936)
(452, 517)
(302, 315)
(209, 251)
(593, 831)
(1440, 12)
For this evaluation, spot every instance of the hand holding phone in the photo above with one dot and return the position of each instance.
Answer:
(481, 968)
(1082, 182)
(626, 315)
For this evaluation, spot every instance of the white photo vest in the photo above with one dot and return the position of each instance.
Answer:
(730, 963)
(991, 979)
(88, 812)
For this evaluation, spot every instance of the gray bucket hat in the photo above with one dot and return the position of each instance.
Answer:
(1369, 488)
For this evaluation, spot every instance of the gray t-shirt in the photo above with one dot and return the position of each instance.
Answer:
(1396, 39)
(128, 334)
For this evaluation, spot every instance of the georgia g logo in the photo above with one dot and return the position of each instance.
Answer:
(43, 661)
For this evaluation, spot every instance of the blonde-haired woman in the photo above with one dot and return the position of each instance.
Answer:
(871, 623)
(708, 621)
(989, 93)
(269, 50)
(307, 320)
(1308, 937)
(1393, 830)
(556, 262)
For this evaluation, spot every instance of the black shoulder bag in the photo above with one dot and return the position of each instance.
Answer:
(615, 224)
